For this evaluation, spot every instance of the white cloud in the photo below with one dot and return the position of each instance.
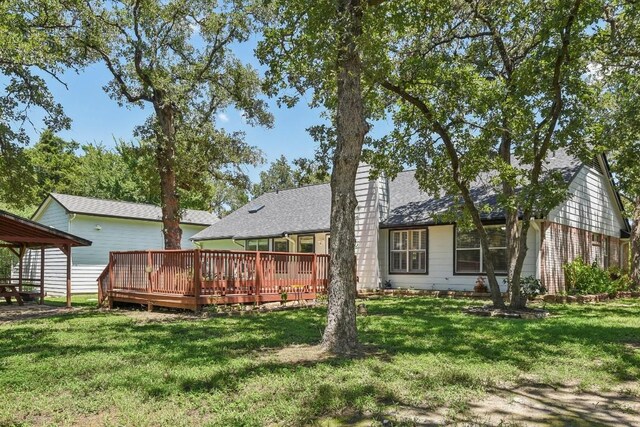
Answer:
(223, 117)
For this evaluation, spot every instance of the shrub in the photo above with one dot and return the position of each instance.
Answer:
(530, 287)
(582, 278)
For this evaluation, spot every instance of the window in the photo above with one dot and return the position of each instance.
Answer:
(261, 245)
(469, 255)
(600, 248)
(306, 244)
(280, 245)
(408, 251)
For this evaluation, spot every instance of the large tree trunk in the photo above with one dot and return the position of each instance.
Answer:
(340, 335)
(635, 244)
(166, 159)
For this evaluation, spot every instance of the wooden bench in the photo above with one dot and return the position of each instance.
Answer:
(7, 291)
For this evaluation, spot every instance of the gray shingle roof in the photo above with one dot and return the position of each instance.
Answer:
(308, 209)
(408, 205)
(294, 211)
(117, 209)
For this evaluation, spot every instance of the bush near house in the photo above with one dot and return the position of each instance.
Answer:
(585, 279)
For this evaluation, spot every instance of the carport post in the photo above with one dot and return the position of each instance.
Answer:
(68, 251)
(41, 275)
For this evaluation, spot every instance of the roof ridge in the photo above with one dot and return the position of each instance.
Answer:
(53, 194)
(291, 188)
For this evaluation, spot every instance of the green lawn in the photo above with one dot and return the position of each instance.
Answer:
(112, 368)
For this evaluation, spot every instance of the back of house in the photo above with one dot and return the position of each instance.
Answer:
(404, 239)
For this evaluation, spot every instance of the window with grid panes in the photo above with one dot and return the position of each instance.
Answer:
(469, 254)
(408, 251)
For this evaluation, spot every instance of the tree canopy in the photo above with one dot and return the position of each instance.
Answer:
(282, 175)
(175, 57)
(35, 44)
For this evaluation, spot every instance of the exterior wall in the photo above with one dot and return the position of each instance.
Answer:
(368, 193)
(53, 215)
(119, 234)
(440, 262)
(562, 244)
(591, 205)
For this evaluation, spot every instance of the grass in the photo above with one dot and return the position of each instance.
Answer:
(77, 301)
(112, 368)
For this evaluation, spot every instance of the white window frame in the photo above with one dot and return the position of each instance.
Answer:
(479, 248)
(407, 251)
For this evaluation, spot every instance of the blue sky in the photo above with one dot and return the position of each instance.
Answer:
(97, 118)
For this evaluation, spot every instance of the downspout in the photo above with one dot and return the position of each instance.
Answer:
(536, 226)
(234, 241)
(293, 242)
(71, 218)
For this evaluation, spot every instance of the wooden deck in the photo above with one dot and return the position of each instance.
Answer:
(193, 278)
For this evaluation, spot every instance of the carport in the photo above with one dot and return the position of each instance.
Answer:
(19, 235)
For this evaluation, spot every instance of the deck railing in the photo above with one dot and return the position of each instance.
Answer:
(211, 273)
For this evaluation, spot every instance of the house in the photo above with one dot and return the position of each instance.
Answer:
(402, 240)
(111, 226)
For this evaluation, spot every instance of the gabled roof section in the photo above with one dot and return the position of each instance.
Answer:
(118, 209)
(308, 209)
(294, 211)
(18, 231)
(408, 205)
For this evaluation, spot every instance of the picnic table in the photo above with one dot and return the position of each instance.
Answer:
(8, 290)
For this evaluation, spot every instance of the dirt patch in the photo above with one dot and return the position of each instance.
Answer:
(299, 354)
(15, 312)
(140, 316)
(307, 354)
(490, 311)
(633, 346)
(534, 406)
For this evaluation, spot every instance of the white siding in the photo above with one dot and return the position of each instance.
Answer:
(591, 205)
(53, 215)
(440, 258)
(119, 234)
(368, 213)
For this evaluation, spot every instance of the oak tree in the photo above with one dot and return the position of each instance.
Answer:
(175, 56)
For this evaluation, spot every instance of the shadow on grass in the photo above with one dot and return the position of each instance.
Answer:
(231, 349)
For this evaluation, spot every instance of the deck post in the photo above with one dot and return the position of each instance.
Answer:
(197, 278)
(111, 279)
(42, 254)
(150, 265)
(258, 281)
(314, 274)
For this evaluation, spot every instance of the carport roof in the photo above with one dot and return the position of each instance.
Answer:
(16, 231)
